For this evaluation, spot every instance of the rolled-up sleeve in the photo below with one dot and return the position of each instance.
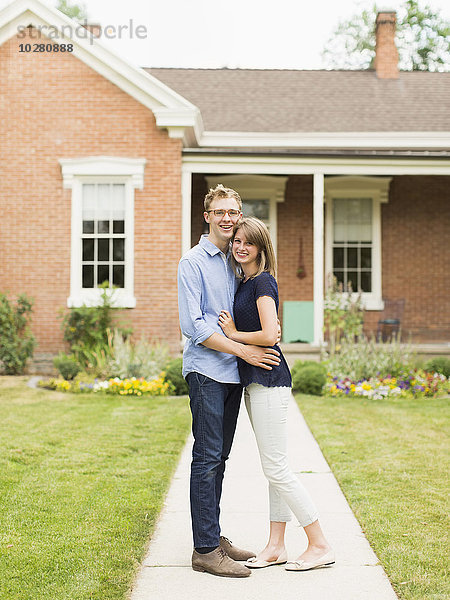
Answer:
(192, 321)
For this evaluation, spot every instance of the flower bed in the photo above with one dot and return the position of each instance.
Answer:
(416, 383)
(123, 387)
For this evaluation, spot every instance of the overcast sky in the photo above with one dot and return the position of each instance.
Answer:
(236, 33)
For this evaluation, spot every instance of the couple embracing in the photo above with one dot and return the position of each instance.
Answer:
(228, 303)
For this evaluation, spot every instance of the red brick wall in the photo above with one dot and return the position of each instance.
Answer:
(416, 256)
(57, 107)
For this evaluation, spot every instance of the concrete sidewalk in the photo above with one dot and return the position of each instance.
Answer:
(166, 573)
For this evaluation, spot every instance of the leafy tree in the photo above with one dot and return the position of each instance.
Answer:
(74, 11)
(422, 39)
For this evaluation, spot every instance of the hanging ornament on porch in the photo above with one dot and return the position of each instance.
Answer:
(301, 271)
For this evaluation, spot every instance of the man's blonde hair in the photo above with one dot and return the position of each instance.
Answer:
(257, 233)
(221, 192)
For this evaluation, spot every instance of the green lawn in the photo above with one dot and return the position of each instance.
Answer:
(391, 460)
(82, 481)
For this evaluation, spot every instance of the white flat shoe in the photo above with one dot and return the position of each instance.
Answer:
(325, 560)
(257, 563)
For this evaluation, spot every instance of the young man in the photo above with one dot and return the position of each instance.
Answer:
(206, 285)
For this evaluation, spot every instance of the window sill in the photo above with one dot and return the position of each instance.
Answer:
(120, 298)
(372, 302)
(369, 301)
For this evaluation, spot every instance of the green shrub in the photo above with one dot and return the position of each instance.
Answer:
(299, 364)
(67, 365)
(440, 364)
(87, 329)
(175, 378)
(309, 378)
(368, 358)
(141, 359)
(96, 360)
(16, 341)
(343, 314)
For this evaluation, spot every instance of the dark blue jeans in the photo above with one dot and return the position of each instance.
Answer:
(215, 409)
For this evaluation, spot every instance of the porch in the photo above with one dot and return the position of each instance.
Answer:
(398, 252)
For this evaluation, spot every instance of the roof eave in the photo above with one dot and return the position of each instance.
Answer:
(360, 140)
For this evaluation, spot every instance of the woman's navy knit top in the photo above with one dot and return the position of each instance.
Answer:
(246, 318)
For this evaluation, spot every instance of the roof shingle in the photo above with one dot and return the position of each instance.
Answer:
(313, 101)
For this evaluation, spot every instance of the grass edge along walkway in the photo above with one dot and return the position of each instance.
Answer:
(389, 459)
(83, 481)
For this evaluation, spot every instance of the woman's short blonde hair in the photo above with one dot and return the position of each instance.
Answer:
(257, 233)
(221, 192)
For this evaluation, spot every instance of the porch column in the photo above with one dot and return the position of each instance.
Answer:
(318, 257)
(186, 193)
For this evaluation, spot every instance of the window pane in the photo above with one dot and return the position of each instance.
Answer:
(352, 280)
(118, 276)
(352, 219)
(256, 208)
(103, 219)
(338, 258)
(88, 276)
(366, 281)
(103, 227)
(365, 233)
(339, 276)
(359, 215)
(117, 201)
(352, 258)
(119, 249)
(89, 194)
(366, 258)
(340, 219)
(102, 274)
(118, 226)
(88, 226)
(88, 249)
(103, 249)
(103, 207)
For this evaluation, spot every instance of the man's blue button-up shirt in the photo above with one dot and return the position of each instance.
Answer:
(206, 285)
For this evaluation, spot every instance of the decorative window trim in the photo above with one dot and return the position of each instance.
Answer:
(376, 188)
(101, 169)
(256, 187)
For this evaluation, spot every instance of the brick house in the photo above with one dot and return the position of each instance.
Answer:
(104, 167)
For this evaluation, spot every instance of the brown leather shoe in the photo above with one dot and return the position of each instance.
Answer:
(234, 552)
(218, 563)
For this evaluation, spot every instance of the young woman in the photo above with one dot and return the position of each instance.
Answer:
(267, 396)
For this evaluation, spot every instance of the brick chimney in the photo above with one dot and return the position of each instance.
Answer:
(386, 54)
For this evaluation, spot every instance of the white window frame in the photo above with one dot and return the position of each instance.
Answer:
(376, 188)
(101, 169)
(256, 187)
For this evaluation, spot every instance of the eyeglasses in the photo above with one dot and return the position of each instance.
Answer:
(221, 212)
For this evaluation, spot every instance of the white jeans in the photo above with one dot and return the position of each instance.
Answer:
(267, 409)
